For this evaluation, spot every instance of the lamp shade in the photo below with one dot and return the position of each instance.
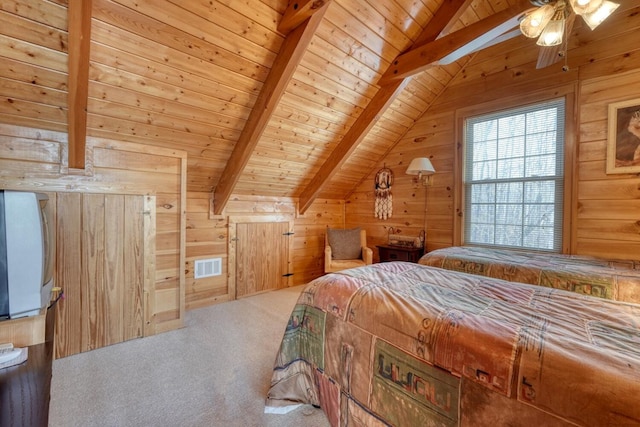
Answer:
(534, 22)
(553, 33)
(595, 18)
(585, 6)
(420, 166)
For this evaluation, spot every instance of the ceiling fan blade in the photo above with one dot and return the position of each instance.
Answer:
(549, 55)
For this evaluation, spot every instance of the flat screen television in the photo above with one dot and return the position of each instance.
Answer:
(26, 253)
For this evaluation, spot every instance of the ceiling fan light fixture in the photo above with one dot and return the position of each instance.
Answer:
(581, 7)
(553, 32)
(553, 18)
(595, 18)
(534, 22)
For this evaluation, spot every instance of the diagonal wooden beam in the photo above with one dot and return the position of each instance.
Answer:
(290, 55)
(297, 12)
(445, 16)
(454, 45)
(79, 27)
(442, 22)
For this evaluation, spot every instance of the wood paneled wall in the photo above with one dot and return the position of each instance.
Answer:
(608, 206)
(33, 160)
(33, 47)
(415, 207)
(207, 237)
(178, 74)
(605, 209)
(171, 76)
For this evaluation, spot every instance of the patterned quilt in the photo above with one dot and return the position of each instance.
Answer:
(610, 279)
(403, 344)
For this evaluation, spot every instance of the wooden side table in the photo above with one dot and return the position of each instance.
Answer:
(25, 388)
(399, 253)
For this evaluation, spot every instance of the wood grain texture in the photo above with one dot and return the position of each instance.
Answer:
(171, 85)
(150, 261)
(93, 323)
(289, 57)
(454, 45)
(125, 267)
(262, 254)
(107, 235)
(602, 208)
(171, 74)
(79, 29)
(68, 273)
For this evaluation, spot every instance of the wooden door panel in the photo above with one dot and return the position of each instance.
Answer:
(262, 257)
(114, 279)
(133, 254)
(92, 280)
(68, 272)
(100, 246)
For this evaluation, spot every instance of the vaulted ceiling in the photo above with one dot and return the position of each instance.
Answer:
(268, 97)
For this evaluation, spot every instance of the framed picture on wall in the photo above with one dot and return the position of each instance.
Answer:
(623, 144)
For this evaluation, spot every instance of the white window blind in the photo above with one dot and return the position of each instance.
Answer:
(514, 167)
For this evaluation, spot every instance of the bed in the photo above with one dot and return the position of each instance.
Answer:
(609, 279)
(405, 344)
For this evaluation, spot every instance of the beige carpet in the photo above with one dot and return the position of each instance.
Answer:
(214, 372)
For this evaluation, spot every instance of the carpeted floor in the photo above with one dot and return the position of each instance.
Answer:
(213, 372)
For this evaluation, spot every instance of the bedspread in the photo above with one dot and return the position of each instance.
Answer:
(404, 344)
(610, 279)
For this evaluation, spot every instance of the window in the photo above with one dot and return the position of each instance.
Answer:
(513, 185)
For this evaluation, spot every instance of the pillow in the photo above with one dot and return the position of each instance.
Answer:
(345, 243)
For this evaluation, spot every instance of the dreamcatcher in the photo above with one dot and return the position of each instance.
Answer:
(384, 199)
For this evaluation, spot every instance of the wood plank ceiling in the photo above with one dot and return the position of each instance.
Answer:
(263, 100)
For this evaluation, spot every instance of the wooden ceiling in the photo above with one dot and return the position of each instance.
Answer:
(268, 98)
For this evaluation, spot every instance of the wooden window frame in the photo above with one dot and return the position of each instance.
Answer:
(569, 93)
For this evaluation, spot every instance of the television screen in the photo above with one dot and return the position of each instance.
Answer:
(26, 253)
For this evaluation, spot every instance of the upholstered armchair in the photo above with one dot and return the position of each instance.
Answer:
(346, 248)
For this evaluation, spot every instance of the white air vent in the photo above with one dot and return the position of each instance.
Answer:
(207, 267)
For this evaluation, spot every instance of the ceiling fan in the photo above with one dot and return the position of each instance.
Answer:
(552, 21)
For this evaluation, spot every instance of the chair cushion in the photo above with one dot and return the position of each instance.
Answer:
(344, 264)
(345, 243)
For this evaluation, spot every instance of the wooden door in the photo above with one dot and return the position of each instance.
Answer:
(262, 257)
(100, 267)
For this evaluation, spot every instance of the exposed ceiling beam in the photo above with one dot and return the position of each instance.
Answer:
(444, 19)
(79, 27)
(297, 12)
(445, 16)
(455, 45)
(290, 55)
